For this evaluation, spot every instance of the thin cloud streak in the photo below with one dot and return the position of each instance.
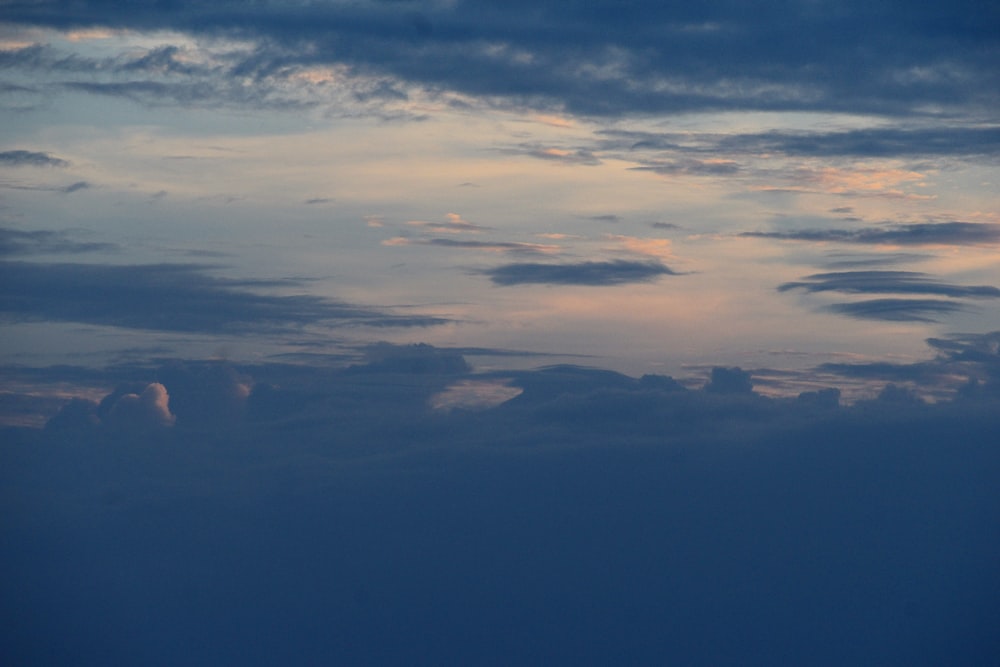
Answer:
(618, 272)
(917, 234)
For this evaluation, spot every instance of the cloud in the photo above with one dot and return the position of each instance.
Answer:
(887, 282)
(149, 409)
(729, 381)
(692, 167)
(622, 498)
(582, 273)
(453, 224)
(871, 142)
(891, 282)
(897, 310)
(643, 246)
(561, 155)
(578, 58)
(488, 246)
(941, 233)
(63, 189)
(21, 158)
(19, 242)
(169, 297)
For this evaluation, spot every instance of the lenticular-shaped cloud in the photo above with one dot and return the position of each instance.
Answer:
(897, 310)
(887, 282)
(583, 273)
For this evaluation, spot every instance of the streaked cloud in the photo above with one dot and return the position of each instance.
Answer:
(940, 233)
(170, 297)
(887, 282)
(897, 310)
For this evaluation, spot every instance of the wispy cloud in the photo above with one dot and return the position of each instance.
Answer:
(452, 224)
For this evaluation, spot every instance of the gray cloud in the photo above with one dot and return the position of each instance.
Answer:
(691, 167)
(945, 233)
(21, 158)
(645, 57)
(583, 273)
(169, 297)
(887, 282)
(896, 310)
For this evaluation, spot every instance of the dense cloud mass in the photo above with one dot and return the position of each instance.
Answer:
(339, 516)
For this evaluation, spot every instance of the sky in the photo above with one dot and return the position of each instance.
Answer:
(531, 278)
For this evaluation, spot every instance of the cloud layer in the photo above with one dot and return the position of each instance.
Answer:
(585, 57)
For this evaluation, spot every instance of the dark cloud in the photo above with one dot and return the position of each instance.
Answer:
(897, 310)
(601, 59)
(340, 518)
(729, 381)
(169, 297)
(583, 273)
(19, 242)
(21, 158)
(965, 364)
(872, 142)
(941, 233)
(887, 282)
(852, 261)
(891, 282)
(884, 142)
